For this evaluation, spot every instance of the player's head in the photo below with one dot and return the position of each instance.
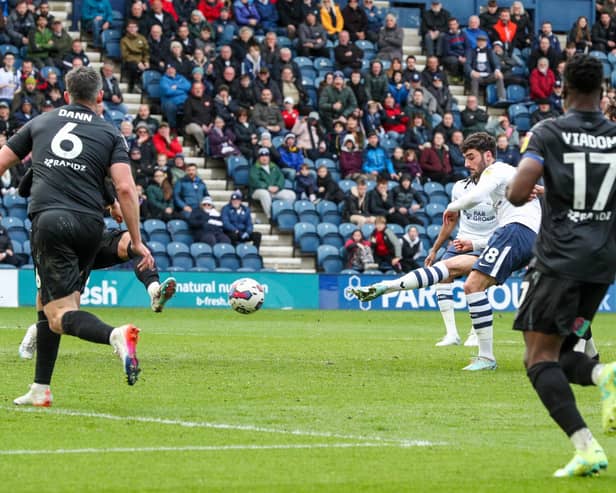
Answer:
(479, 150)
(583, 78)
(83, 85)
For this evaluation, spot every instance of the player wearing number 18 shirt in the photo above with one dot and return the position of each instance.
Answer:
(73, 151)
(575, 257)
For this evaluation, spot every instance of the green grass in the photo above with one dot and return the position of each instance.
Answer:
(346, 377)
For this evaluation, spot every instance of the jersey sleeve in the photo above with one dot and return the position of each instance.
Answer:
(120, 151)
(21, 142)
(489, 181)
(534, 143)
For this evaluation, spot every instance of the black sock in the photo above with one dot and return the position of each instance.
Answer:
(577, 367)
(86, 326)
(551, 385)
(147, 276)
(47, 344)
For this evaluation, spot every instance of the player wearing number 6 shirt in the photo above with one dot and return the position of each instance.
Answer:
(73, 151)
(575, 257)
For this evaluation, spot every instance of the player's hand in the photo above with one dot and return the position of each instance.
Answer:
(536, 192)
(430, 258)
(147, 261)
(116, 212)
(463, 245)
(449, 217)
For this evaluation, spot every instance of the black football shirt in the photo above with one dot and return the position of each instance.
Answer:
(72, 150)
(577, 239)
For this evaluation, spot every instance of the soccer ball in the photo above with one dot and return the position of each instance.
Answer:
(246, 296)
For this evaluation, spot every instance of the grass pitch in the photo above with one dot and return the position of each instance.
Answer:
(288, 401)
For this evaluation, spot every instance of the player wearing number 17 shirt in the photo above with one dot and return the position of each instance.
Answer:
(73, 150)
(575, 257)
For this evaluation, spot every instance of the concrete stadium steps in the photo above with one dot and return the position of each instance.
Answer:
(290, 264)
(65, 7)
(270, 240)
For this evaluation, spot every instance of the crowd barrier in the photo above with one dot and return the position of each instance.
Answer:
(283, 291)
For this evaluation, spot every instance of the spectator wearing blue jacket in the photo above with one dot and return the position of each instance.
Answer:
(375, 20)
(174, 90)
(237, 221)
(246, 13)
(269, 16)
(290, 155)
(225, 28)
(376, 162)
(454, 48)
(473, 30)
(505, 152)
(189, 191)
(96, 16)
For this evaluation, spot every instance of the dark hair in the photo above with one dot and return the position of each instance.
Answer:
(361, 181)
(584, 73)
(83, 84)
(382, 181)
(479, 141)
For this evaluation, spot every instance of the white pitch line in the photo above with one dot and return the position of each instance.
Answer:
(227, 426)
(199, 448)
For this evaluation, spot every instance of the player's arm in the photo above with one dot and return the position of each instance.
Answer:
(443, 236)
(524, 186)
(486, 185)
(8, 159)
(129, 203)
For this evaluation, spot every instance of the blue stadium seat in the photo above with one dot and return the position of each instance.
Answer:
(397, 229)
(346, 185)
(308, 72)
(367, 230)
(246, 269)
(329, 235)
(284, 42)
(111, 35)
(433, 186)
(420, 229)
(435, 210)
(277, 141)
(323, 64)
(177, 225)
(117, 117)
(303, 61)
(159, 252)
(201, 269)
(365, 45)
(113, 50)
(330, 164)
(9, 48)
(516, 110)
(249, 256)
(235, 162)
(306, 238)
(328, 211)
(491, 95)
(150, 76)
(45, 71)
(432, 231)
(111, 223)
(346, 230)
(516, 93)
(523, 122)
(225, 256)
(350, 272)
(157, 231)
(308, 81)
(439, 198)
(449, 188)
(328, 259)
(306, 212)
(284, 215)
(16, 206)
(203, 255)
(180, 255)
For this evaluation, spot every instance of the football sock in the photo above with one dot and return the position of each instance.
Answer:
(47, 344)
(444, 295)
(551, 385)
(153, 288)
(86, 326)
(147, 276)
(419, 278)
(582, 439)
(578, 367)
(482, 320)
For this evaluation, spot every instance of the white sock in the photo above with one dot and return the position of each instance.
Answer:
(590, 349)
(483, 323)
(153, 288)
(596, 373)
(419, 278)
(582, 439)
(39, 387)
(444, 295)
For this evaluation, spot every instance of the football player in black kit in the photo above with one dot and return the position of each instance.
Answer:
(73, 151)
(575, 257)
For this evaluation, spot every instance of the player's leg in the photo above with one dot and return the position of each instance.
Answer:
(546, 315)
(444, 296)
(27, 346)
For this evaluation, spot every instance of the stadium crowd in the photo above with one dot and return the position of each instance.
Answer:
(308, 96)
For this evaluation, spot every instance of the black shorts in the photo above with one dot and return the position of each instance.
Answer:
(551, 304)
(64, 244)
(107, 254)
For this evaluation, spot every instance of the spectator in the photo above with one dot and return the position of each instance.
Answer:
(143, 115)
(77, 51)
(421, 101)
(373, 118)
(30, 92)
(546, 31)
(246, 13)
(541, 80)
(237, 221)
(474, 118)
(505, 31)
(506, 153)
(418, 135)
(25, 113)
(447, 126)
(206, 223)
(144, 142)
(386, 246)
(406, 202)
(376, 82)
(221, 140)
(246, 135)
(375, 20)
(135, 54)
(524, 30)
(356, 85)
(336, 101)
(398, 88)
(196, 26)
(432, 68)
(226, 59)
(308, 132)
(40, 43)
(211, 9)
(473, 30)
(198, 114)
(482, 68)
(290, 15)
(174, 90)
(557, 98)
(179, 59)
(243, 42)
(543, 50)
(442, 95)
(184, 9)
(285, 59)
(126, 127)
(433, 25)
(359, 253)
(225, 28)
(189, 191)
(310, 6)
(157, 16)
(603, 34)
(96, 17)
(266, 182)
(351, 159)
(7, 253)
(380, 200)
(289, 113)
(291, 156)
(543, 111)
(508, 64)
(412, 250)
(265, 141)
(456, 157)
(252, 62)
(143, 170)
(355, 20)
(331, 18)
(356, 205)
(61, 43)
(348, 56)
(138, 14)
(112, 94)
(9, 78)
(502, 126)
(434, 161)
(580, 34)
(411, 164)
(265, 81)
(267, 115)
(312, 37)
(19, 23)
(394, 120)
(327, 188)
(376, 162)
(490, 17)
(268, 14)
(305, 184)
(390, 40)
(164, 143)
(157, 47)
(455, 46)
(410, 70)
(176, 170)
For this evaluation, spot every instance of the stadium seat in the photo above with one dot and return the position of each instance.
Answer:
(303, 61)
(330, 164)
(9, 48)
(516, 110)
(201, 269)
(225, 256)
(15, 228)
(372, 272)
(433, 186)
(323, 64)
(235, 162)
(423, 217)
(397, 229)
(277, 141)
(180, 231)
(516, 93)
(306, 238)
(449, 189)
(346, 185)
(117, 117)
(350, 272)
(365, 45)
(435, 210)
(203, 255)
(367, 230)
(284, 42)
(328, 259)
(491, 95)
(48, 68)
(329, 235)
(284, 215)
(249, 257)
(432, 232)
(111, 223)
(246, 269)
(157, 231)
(346, 230)
(180, 256)
(439, 198)
(329, 212)
(113, 50)
(16, 206)
(111, 35)
(306, 212)
(308, 73)
(420, 229)
(159, 252)
(150, 76)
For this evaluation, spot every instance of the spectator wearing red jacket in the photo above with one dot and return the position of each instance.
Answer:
(434, 161)
(541, 80)
(394, 118)
(289, 113)
(164, 143)
(505, 31)
(210, 9)
(170, 9)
